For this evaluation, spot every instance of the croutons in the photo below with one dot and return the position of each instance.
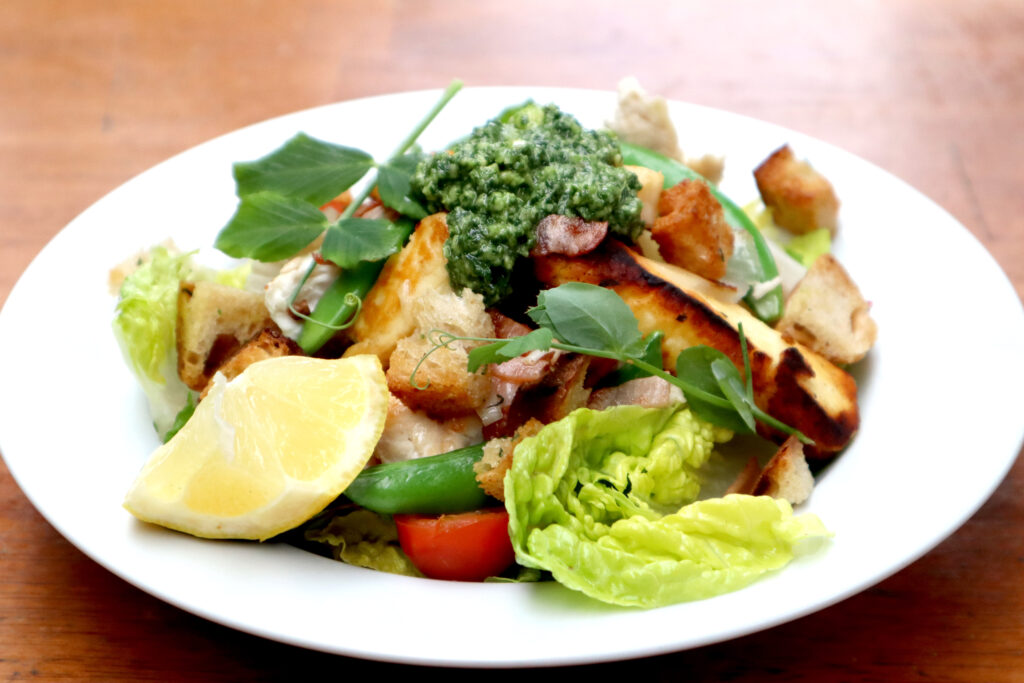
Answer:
(691, 231)
(214, 321)
(801, 199)
(827, 314)
(267, 344)
(643, 120)
(420, 267)
(444, 387)
(786, 476)
(498, 453)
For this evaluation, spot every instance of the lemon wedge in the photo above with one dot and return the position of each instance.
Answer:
(267, 450)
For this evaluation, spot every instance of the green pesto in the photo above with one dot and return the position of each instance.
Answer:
(499, 182)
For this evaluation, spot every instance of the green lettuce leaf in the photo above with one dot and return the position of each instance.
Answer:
(808, 247)
(602, 500)
(144, 325)
(365, 539)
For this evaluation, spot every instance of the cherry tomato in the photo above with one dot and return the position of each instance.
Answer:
(468, 546)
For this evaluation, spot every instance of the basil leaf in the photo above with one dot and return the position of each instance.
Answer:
(305, 168)
(694, 368)
(352, 240)
(269, 227)
(498, 352)
(586, 315)
(395, 188)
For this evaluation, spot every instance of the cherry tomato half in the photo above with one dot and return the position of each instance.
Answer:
(468, 546)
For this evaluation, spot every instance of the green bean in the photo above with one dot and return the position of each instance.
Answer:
(437, 484)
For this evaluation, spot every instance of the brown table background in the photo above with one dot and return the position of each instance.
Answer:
(92, 93)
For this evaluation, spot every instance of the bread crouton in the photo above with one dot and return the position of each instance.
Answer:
(826, 313)
(444, 387)
(214, 321)
(786, 475)
(269, 343)
(643, 120)
(801, 199)
(420, 267)
(498, 453)
(691, 230)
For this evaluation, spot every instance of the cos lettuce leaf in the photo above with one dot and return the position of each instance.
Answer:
(365, 539)
(144, 326)
(602, 500)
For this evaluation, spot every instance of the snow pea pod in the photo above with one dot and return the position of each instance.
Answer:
(341, 302)
(768, 305)
(437, 484)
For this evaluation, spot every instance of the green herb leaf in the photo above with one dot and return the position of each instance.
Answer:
(506, 349)
(651, 354)
(732, 388)
(268, 226)
(587, 315)
(352, 240)
(395, 188)
(694, 368)
(305, 168)
(182, 417)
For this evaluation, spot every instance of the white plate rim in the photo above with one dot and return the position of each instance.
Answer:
(544, 611)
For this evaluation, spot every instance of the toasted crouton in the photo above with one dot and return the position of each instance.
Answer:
(444, 387)
(691, 231)
(801, 199)
(498, 453)
(420, 267)
(827, 314)
(785, 476)
(267, 344)
(644, 120)
(214, 321)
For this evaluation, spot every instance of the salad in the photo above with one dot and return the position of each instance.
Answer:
(594, 367)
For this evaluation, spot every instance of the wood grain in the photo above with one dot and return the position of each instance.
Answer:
(93, 93)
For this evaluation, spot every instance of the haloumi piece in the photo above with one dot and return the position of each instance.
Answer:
(420, 267)
(791, 383)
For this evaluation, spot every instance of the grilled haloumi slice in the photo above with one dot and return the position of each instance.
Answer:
(791, 383)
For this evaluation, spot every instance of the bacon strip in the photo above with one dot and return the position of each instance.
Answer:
(568, 235)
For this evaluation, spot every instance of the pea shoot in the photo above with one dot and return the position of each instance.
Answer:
(279, 215)
(582, 318)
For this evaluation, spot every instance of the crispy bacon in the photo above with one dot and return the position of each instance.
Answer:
(568, 236)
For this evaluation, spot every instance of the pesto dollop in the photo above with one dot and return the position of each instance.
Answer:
(499, 182)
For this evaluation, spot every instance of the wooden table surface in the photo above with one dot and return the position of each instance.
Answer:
(92, 93)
